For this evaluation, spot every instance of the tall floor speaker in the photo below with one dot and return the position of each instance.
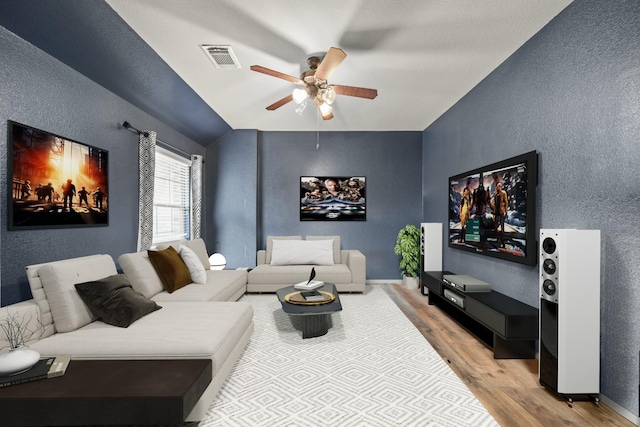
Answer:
(430, 249)
(570, 311)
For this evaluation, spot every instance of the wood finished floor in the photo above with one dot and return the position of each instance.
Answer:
(508, 388)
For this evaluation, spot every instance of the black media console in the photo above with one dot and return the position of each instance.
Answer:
(507, 326)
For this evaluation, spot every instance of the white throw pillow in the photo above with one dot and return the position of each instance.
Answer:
(302, 252)
(58, 279)
(198, 246)
(193, 263)
(270, 240)
(337, 258)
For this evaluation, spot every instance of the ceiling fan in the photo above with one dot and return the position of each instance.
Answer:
(313, 84)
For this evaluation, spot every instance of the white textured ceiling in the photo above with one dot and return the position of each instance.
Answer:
(421, 55)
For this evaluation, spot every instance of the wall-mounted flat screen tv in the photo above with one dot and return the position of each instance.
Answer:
(492, 209)
(54, 181)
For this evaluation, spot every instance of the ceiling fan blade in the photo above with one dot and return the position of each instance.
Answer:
(278, 74)
(360, 92)
(325, 116)
(280, 103)
(331, 60)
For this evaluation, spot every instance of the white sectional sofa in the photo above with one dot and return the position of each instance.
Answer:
(220, 285)
(288, 260)
(196, 321)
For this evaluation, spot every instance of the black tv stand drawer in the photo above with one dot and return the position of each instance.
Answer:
(507, 326)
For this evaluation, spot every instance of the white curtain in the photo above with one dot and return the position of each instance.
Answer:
(147, 166)
(196, 195)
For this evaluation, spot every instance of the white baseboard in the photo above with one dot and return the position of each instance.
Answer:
(620, 410)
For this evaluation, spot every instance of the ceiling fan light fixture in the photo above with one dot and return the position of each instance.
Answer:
(329, 95)
(325, 109)
(301, 106)
(299, 95)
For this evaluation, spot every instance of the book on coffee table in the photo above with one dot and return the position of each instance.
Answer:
(308, 286)
(49, 367)
(312, 296)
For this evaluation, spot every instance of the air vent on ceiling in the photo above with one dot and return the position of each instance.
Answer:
(221, 56)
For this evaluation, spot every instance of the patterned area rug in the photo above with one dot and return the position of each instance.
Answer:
(373, 368)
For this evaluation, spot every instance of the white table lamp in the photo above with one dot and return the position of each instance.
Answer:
(217, 261)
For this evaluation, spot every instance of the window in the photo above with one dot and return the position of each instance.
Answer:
(171, 197)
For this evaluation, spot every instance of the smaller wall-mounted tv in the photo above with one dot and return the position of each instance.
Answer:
(492, 209)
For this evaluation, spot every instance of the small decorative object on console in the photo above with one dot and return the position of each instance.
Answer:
(17, 331)
(50, 367)
(18, 360)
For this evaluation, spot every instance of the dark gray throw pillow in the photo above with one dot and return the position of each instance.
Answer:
(114, 301)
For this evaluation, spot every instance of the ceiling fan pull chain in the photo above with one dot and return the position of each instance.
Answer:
(318, 131)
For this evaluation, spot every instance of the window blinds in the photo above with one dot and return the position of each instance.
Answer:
(171, 197)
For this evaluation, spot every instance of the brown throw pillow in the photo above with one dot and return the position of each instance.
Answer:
(172, 270)
(114, 301)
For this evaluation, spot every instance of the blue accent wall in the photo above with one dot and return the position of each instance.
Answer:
(231, 197)
(573, 94)
(42, 92)
(390, 162)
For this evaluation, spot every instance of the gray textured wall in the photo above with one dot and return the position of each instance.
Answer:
(40, 91)
(573, 94)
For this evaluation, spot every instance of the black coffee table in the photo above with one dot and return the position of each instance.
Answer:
(109, 392)
(315, 318)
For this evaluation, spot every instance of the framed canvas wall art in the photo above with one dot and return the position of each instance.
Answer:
(333, 198)
(55, 181)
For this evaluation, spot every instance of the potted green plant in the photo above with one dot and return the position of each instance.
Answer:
(408, 247)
